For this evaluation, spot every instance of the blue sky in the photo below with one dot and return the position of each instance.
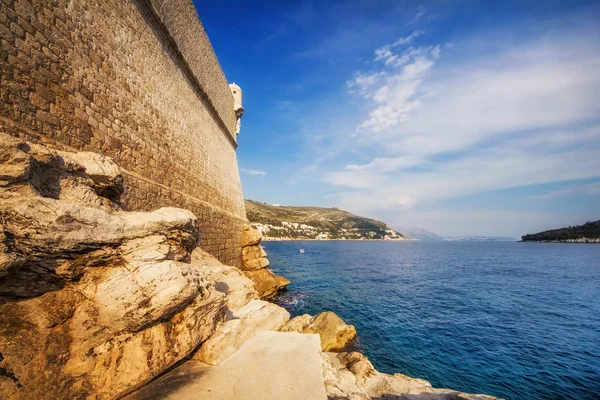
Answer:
(458, 117)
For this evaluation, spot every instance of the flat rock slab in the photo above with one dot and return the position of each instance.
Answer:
(271, 365)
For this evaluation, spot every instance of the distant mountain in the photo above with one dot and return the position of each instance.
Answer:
(586, 233)
(298, 223)
(420, 234)
(474, 238)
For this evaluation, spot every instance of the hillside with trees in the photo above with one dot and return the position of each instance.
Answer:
(586, 233)
(298, 223)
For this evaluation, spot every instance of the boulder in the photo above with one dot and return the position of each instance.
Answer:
(335, 334)
(255, 264)
(297, 324)
(267, 284)
(227, 339)
(262, 315)
(251, 237)
(376, 384)
(253, 252)
(94, 301)
(238, 288)
(102, 170)
(340, 383)
(241, 325)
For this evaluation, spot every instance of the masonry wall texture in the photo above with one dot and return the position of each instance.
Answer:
(136, 80)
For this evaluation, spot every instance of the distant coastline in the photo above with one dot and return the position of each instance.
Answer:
(579, 240)
(586, 233)
(280, 239)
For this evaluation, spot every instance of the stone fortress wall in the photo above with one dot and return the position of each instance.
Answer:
(136, 80)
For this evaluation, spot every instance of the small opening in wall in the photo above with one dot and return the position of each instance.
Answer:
(234, 92)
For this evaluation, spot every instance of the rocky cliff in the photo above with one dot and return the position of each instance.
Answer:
(96, 302)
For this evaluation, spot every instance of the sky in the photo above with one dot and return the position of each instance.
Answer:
(458, 117)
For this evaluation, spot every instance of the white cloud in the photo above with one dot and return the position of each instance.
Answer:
(254, 172)
(397, 90)
(497, 116)
(587, 189)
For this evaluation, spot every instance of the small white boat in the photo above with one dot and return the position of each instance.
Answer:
(301, 250)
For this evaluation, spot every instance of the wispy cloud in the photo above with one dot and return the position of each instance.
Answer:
(586, 189)
(421, 12)
(493, 116)
(395, 90)
(254, 172)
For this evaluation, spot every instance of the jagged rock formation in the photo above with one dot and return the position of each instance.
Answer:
(335, 334)
(351, 376)
(255, 265)
(94, 301)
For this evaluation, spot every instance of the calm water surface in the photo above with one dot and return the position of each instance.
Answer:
(516, 320)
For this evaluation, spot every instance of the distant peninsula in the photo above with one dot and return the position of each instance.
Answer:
(586, 233)
(315, 223)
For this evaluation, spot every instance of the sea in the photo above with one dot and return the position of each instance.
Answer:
(509, 319)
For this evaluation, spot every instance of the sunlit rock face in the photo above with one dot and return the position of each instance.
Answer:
(255, 265)
(94, 301)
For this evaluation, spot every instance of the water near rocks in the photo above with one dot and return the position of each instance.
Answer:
(515, 320)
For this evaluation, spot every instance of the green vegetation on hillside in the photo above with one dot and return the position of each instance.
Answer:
(309, 222)
(589, 230)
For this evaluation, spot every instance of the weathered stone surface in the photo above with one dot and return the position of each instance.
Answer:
(252, 252)
(340, 383)
(369, 383)
(270, 366)
(335, 334)
(262, 315)
(251, 237)
(267, 284)
(242, 325)
(257, 263)
(226, 340)
(228, 280)
(103, 171)
(94, 301)
(297, 324)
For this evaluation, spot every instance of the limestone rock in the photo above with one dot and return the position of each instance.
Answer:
(255, 265)
(16, 164)
(251, 237)
(228, 280)
(266, 282)
(262, 315)
(253, 252)
(270, 366)
(103, 171)
(227, 339)
(297, 324)
(335, 334)
(340, 383)
(94, 301)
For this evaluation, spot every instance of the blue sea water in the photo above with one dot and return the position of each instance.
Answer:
(514, 320)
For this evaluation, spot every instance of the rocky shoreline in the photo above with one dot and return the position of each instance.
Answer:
(97, 302)
(579, 240)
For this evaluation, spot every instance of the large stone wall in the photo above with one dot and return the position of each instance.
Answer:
(136, 80)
